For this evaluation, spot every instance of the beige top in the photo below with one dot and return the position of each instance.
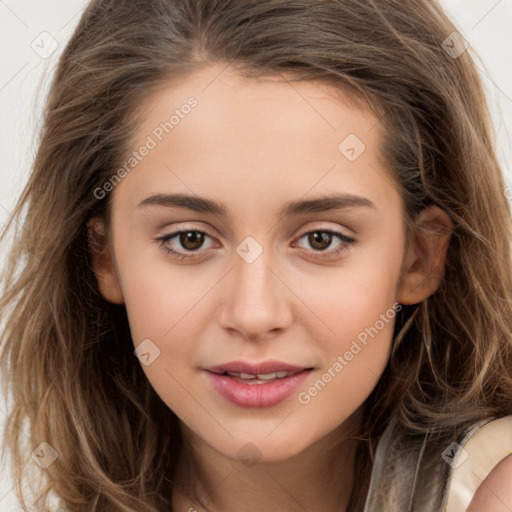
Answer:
(482, 452)
(420, 474)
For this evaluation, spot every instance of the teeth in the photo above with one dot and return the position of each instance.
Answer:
(267, 376)
(261, 376)
(242, 375)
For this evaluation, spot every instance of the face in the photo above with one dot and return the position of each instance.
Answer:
(271, 272)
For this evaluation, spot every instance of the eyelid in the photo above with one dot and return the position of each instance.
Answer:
(183, 226)
(181, 229)
(321, 226)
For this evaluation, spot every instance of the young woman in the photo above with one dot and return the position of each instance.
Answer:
(264, 264)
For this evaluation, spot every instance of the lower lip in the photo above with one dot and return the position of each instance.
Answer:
(257, 395)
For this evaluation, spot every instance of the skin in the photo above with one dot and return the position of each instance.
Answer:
(255, 145)
(494, 494)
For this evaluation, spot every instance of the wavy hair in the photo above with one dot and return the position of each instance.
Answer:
(66, 353)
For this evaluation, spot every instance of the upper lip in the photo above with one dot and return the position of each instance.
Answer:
(263, 367)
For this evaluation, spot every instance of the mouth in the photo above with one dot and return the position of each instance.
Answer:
(260, 378)
(257, 385)
(260, 369)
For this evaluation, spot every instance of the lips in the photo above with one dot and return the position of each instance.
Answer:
(256, 384)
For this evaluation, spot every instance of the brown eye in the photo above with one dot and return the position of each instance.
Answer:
(320, 240)
(320, 243)
(191, 240)
(185, 244)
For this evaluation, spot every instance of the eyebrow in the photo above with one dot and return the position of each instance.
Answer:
(201, 204)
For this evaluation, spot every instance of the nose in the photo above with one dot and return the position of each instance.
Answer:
(255, 300)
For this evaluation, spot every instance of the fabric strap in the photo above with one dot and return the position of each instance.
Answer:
(482, 452)
(412, 474)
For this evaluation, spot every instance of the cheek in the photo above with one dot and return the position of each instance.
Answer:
(159, 295)
(165, 309)
(169, 305)
(360, 310)
(353, 358)
(353, 299)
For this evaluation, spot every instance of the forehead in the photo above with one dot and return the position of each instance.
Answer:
(250, 136)
(279, 99)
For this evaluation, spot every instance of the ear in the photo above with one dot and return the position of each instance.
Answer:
(425, 255)
(102, 265)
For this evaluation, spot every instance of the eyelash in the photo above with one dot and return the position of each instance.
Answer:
(346, 243)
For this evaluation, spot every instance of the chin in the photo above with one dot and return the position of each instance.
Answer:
(262, 447)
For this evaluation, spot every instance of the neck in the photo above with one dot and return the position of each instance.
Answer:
(316, 479)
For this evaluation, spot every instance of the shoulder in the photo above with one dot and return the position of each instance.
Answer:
(494, 494)
(481, 476)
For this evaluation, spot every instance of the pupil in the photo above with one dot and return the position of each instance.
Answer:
(193, 237)
(322, 237)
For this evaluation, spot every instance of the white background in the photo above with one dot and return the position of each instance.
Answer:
(485, 24)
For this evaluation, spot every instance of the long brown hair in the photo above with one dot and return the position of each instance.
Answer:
(66, 353)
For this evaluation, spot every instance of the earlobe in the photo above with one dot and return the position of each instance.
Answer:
(102, 265)
(424, 261)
